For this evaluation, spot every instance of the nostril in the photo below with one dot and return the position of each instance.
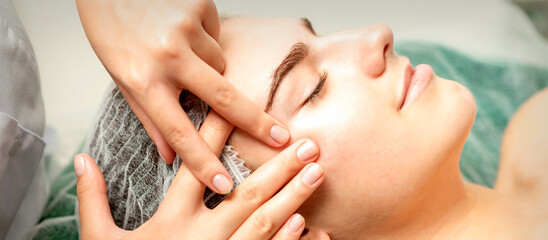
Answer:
(382, 61)
(386, 51)
(377, 48)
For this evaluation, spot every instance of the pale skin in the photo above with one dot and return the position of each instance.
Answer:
(391, 173)
(524, 154)
(155, 49)
(262, 213)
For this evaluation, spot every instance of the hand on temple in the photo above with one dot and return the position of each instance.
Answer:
(153, 50)
(261, 207)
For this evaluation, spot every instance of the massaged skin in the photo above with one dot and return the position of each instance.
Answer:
(390, 136)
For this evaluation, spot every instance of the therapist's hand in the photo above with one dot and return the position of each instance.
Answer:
(153, 50)
(261, 207)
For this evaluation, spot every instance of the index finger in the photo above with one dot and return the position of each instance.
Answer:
(166, 113)
(265, 182)
(215, 130)
(230, 103)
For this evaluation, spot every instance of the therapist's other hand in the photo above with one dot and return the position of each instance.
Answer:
(261, 207)
(153, 50)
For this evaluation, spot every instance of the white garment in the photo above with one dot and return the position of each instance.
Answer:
(21, 120)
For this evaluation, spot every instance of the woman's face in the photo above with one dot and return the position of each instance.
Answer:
(379, 159)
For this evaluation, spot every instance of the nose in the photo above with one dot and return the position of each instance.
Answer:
(372, 46)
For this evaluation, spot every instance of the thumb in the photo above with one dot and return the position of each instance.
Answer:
(95, 217)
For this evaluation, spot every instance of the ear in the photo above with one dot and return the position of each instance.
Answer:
(314, 234)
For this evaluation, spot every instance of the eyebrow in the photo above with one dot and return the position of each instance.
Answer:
(296, 54)
(308, 25)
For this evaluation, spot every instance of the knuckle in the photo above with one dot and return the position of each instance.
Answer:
(250, 193)
(263, 223)
(166, 48)
(300, 192)
(207, 168)
(82, 189)
(187, 25)
(135, 80)
(289, 159)
(224, 97)
(83, 192)
(86, 193)
(219, 125)
(287, 162)
(177, 138)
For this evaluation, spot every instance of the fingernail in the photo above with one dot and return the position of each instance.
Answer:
(222, 183)
(279, 134)
(295, 223)
(79, 165)
(312, 174)
(307, 151)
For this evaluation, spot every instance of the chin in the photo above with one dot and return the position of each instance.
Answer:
(462, 107)
(466, 102)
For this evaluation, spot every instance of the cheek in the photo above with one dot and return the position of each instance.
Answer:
(360, 149)
(367, 151)
(358, 136)
(349, 127)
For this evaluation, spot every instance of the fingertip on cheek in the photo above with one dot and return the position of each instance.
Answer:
(307, 151)
(295, 223)
(279, 134)
(312, 174)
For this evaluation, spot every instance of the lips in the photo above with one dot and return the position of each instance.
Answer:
(415, 81)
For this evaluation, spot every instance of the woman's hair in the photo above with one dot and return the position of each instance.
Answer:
(136, 178)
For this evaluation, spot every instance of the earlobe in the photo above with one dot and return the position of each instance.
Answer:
(314, 233)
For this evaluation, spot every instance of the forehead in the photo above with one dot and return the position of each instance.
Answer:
(253, 48)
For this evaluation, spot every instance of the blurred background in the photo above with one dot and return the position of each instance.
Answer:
(537, 11)
(73, 79)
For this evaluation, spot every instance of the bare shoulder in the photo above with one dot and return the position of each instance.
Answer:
(526, 135)
(524, 153)
(540, 231)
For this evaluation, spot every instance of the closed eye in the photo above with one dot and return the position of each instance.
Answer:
(317, 90)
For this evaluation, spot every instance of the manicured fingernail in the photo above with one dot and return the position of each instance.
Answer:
(295, 223)
(312, 174)
(307, 151)
(222, 183)
(279, 134)
(79, 165)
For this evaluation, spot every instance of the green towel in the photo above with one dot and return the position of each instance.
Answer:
(499, 87)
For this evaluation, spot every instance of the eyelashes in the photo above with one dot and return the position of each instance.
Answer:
(314, 95)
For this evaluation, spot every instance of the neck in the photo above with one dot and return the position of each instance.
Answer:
(442, 201)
